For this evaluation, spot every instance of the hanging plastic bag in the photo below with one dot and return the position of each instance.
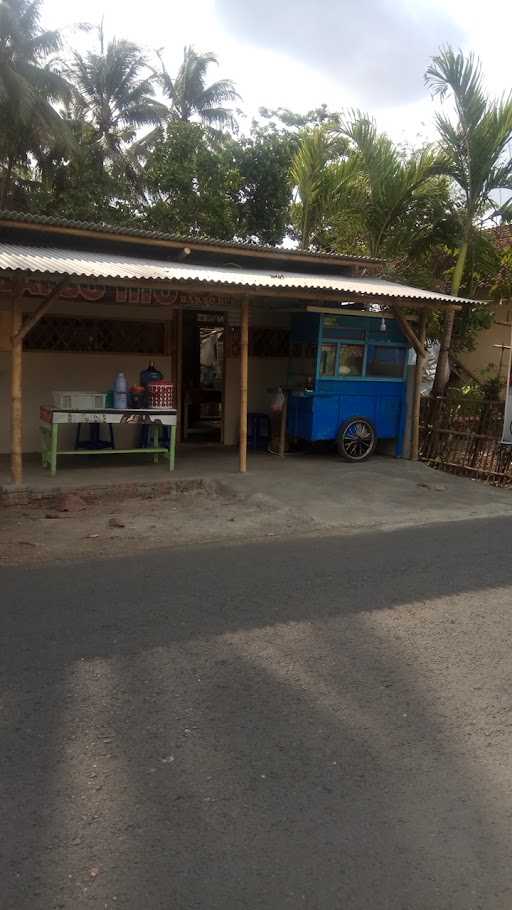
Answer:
(277, 402)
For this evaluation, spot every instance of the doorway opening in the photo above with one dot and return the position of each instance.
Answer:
(203, 376)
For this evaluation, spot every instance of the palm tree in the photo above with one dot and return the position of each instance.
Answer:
(475, 146)
(30, 85)
(191, 96)
(357, 177)
(114, 94)
(382, 186)
(311, 178)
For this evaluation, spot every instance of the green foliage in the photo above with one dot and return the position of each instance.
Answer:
(191, 183)
(475, 156)
(474, 144)
(81, 186)
(312, 175)
(500, 281)
(190, 95)
(209, 184)
(492, 384)
(30, 86)
(355, 190)
(113, 93)
(263, 200)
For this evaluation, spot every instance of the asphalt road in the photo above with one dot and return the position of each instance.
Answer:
(323, 724)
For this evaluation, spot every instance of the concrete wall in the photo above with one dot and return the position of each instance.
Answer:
(264, 373)
(485, 355)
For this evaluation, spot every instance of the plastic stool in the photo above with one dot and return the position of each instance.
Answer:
(95, 442)
(258, 430)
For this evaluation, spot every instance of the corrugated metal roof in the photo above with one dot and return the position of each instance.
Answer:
(79, 264)
(23, 218)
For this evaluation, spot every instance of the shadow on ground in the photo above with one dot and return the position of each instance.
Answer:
(259, 727)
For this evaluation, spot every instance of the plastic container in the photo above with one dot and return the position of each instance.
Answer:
(150, 374)
(120, 392)
(137, 396)
(160, 394)
(80, 401)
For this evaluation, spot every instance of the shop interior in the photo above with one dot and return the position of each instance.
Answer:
(203, 376)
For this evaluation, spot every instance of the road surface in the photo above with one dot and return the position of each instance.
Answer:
(318, 723)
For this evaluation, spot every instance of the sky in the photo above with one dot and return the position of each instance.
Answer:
(365, 54)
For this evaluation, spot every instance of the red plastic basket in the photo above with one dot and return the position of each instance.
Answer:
(160, 394)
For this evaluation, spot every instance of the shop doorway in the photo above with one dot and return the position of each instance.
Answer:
(203, 376)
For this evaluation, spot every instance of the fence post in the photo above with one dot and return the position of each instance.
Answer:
(418, 376)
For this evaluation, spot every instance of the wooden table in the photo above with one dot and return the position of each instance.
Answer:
(51, 419)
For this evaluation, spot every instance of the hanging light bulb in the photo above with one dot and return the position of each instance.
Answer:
(383, 326)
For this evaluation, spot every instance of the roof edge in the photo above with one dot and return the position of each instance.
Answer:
(158, 238)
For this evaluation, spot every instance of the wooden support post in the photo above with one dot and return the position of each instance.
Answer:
(244, 374)
(418, 376)
(179, 375)
(224, 379)
(16, 394)
(20, 330)
(282, 428)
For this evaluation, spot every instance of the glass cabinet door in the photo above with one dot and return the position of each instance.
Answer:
(351, 360)
(328, 360)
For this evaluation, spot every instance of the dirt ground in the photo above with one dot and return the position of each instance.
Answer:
(87, 525)
(302, 496)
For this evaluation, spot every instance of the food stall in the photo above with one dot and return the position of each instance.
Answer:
(347, 381)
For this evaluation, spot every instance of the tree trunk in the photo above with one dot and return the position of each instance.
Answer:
(443, 364)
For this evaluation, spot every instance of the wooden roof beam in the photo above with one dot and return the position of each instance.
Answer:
(409, 332)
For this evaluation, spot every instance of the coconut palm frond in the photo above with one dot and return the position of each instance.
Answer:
(30, 87)
(114, 93)
(310, 178)
(191, 96)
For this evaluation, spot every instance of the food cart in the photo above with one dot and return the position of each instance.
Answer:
(347, 381)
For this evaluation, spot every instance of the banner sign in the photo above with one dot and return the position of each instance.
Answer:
(139, 296)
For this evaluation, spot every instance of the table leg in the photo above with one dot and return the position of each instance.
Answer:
(45, 448)
(54, 443)
(155, 442)
(172, 447)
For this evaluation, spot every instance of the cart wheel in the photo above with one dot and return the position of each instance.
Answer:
(356, 439)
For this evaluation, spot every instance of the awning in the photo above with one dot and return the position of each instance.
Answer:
(96, 266)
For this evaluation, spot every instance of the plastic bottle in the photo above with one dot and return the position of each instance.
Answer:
(120, 391)
(150, 374)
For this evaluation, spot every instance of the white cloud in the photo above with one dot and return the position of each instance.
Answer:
(282, 76)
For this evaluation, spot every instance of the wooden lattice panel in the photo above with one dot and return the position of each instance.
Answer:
(102, 336)
(263, 342)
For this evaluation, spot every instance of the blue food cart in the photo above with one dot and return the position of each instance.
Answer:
(347, 381)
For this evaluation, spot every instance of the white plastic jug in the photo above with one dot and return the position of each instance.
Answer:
(120, 391)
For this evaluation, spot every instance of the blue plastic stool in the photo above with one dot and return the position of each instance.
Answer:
(258, 430)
